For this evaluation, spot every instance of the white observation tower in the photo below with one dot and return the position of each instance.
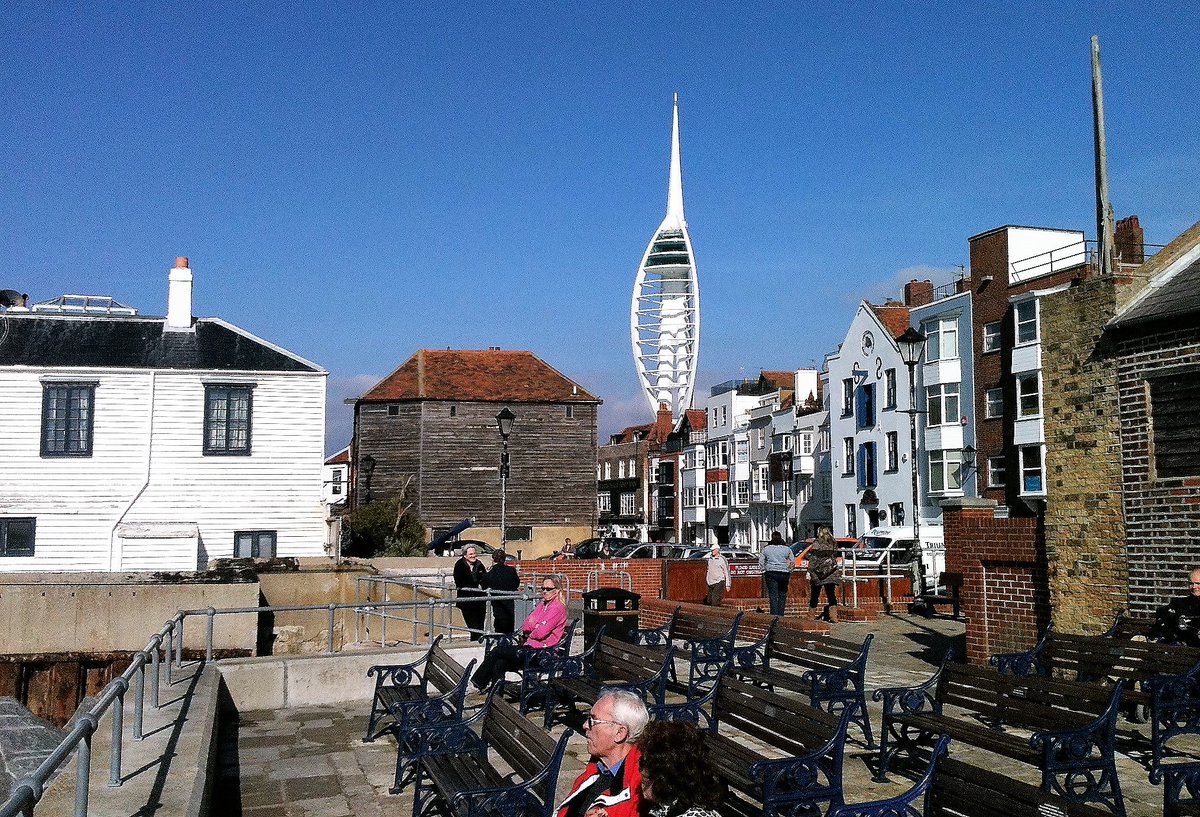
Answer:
(664, 319)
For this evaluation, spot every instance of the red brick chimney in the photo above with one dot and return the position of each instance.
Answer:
(1130, 241)
(663, 423)
(918, 293)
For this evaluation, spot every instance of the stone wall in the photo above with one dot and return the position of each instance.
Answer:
(1084, 526)
(1003, 567)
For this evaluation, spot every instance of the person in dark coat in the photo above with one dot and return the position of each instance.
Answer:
(470, 578)
(503, 578)
(1179, 621)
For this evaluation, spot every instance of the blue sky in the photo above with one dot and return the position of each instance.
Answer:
(354, 182)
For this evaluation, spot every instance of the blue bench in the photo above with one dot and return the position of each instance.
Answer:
(432, 688)
(1073, 726)
(608, 663)
(1181, 788)
(535, 671)
(708, 643)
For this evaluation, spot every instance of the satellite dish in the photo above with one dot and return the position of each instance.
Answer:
(10, 297)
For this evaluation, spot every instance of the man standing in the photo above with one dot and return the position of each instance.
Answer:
(611, 784)
(503, 578)
(470, 577)
(718, 577)
(1179, 621)
(776, 562)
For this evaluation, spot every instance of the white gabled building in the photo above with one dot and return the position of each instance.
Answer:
(134, 443)
(870, 435)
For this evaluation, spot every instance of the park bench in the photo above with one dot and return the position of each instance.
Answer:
(1073, 725)
(802, 774)
(1181, 788)
(707, 642)
(953, 788)
(405, 697)
(608, 663)
(535, 672)
(1163, 679)
(459, 776)
(829, 671)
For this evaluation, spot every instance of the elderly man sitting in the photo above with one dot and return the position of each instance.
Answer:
(611, 784)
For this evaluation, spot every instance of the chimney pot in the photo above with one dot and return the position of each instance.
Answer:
(181, 262)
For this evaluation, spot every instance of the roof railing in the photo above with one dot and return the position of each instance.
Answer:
(84, 305)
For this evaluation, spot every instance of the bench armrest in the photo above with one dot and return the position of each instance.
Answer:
(1025, 663)
(913, 700)
(655, 636)
(397, 675)
(448, 737)
(493, 640)
(754, 655)
(834, 682)
(570, 666)
(911, 802)
(1060, 747)
(817, 774)
(691, 710)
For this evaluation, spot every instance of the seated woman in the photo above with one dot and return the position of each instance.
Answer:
(678, 779)
(542, 629)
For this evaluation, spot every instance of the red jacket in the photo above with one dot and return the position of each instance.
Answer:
(624, 799)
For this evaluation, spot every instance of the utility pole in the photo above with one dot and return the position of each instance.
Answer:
(1106, 247)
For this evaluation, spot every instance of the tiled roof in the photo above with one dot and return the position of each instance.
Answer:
(780, 380)
(1174, 286)
(340, 457)
(697, 419)
(893, 315)
(33, 339)
(489, 375)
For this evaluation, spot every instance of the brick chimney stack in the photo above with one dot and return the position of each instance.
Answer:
(1130, 241)
(179, 297)
(918, 293)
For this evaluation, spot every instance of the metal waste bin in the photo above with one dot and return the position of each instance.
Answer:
(614, 609)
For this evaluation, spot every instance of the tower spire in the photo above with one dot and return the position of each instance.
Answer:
(675, 185)
(1104, 213)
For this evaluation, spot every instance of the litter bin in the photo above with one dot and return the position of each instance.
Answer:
(612, 608)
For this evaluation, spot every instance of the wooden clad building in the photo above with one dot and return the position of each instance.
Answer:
(430, 429)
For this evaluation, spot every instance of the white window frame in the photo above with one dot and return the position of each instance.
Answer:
(806, 441)
(848, 397)
(743, 450)
(620, 469)
(628, 503)
(889, 389)
(847, 456)
(991, 336)
(941, 397)
(945, 466)
(604, 502)
(851, 520)
(993, 404)
(1023, 394)
(997, 476)
(1028, 470)
(1029, 320)
(743, 491)
(940, 333)
(891, 452)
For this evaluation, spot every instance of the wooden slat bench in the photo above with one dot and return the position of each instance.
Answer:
(535, 672)
(608, 663)
(812, 742)
(707, 642)
(952, 788)
(403, 695)
(460, 778)
(830, 671)
(1164, 679)
(1073, 726)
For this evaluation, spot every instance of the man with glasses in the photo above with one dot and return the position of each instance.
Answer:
(542, 629)
(1179, 621)
(611, 784)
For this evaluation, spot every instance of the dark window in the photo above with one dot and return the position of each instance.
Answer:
(865, 396)
(337, 480)
(518, 533)
(16, 537)
(393, 410)
(454, 411)
(67, 419)
(570, 412)
(893, 451)
(866, 466)
(848, 397)
(227, 411)
(252, 544)
(889, 384)
(1175, 424)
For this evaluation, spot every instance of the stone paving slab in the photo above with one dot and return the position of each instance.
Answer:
(264, 776)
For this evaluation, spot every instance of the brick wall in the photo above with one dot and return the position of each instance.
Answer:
(1162, 516)
(646, 574)
(1002, 562)
(1084, 526)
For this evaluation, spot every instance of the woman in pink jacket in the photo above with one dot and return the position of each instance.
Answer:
(542, 629)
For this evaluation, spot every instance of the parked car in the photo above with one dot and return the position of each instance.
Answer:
(457, 548)
(729, 552)
(598, 547)
(898, 546)
(649, 550)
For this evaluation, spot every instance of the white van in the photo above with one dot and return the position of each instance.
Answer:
(897, 545)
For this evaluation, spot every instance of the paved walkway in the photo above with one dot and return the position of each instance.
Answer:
(312, 761)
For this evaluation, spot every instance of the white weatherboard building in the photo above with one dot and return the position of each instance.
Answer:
(134, 443)
(665, 314)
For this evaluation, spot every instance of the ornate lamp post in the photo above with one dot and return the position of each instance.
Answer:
(912, 346)
(504, 423)
(368, 467)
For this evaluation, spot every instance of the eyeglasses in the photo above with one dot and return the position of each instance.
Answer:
(1194, 584)
(592, 721)
(548, 589)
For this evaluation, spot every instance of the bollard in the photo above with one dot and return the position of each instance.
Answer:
(139, 694)
(208, 636)
(118, 724)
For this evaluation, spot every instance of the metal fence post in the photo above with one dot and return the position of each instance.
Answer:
(139, 694)
(208, 636)
(83, 763)
(118, 728)
(179, 641)
(332, 610)
(156, 675)
(169, 653)
(429, 632)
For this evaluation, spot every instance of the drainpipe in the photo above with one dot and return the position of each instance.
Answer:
(114, 558)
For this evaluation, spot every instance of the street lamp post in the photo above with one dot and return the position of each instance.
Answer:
(912, 346)
(504, 422)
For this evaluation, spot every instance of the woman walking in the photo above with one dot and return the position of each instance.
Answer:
(824, 570)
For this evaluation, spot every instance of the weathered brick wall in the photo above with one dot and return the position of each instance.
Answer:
(1162, 516)
(1084, 525)
(1002, 562)
(646, 574)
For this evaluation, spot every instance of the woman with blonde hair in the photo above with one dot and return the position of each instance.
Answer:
(824, 570)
